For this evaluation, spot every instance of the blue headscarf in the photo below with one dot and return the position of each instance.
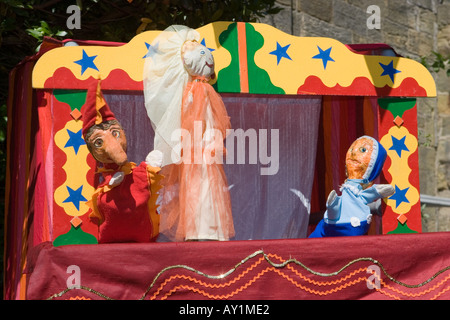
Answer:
(376, 161)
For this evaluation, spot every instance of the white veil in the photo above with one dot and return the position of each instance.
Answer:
(165, 79)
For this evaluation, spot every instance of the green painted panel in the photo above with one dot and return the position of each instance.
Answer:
(401, 229)
(74, 98)
(258, 79)
(75, 236)
(397, 106)
(228, 78)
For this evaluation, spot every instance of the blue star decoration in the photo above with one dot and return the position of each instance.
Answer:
(399, 196)
(204, 44)
(151, 50)
(75, 196)
(281, 52)
(389, 70)
(324, 55)
(398, 145)
(86, 62)
(75, 140)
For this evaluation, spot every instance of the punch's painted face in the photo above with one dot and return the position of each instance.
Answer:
(108, 144)
(358, 158)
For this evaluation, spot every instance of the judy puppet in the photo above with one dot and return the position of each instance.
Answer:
(349, 213)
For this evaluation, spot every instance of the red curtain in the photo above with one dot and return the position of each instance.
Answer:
(343, 119)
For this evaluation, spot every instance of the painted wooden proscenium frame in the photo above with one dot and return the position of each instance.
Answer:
(50, 173)
(250, 58)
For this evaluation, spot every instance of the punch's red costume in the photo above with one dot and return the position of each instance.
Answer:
(124, 212)
(127, 212)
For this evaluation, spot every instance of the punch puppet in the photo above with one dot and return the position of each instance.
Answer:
(190, 123)
(349, 213)
(124, 203)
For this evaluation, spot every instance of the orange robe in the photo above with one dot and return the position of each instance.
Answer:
(195, 202)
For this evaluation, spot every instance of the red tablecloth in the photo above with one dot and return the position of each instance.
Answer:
(403, 267)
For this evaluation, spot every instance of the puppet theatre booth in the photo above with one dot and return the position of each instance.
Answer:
(295, 106)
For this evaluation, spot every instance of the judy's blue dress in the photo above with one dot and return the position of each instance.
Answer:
(349, 213)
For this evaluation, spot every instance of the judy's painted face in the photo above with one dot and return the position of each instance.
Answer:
(358, 158)
(197, 59)
(109, 145)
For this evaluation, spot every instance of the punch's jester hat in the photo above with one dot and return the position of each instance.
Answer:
(95, 110)
(376, 160)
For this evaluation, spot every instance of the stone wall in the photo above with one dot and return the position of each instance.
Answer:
(414, 28)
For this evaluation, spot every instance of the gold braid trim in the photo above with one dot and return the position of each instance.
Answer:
(154, 179)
